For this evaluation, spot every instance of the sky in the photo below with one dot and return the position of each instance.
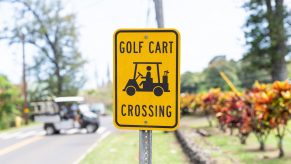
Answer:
(208, 28)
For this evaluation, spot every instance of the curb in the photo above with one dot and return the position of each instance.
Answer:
(194, 156)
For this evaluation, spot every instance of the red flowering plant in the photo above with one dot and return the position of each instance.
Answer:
(198, 101)
(263, 108)
(279, 110)
(259, 97)
(186, 102)
(245, 122)
(209, 103)
(223, 110)
(232, 113)
(236, 112)
(262, 97)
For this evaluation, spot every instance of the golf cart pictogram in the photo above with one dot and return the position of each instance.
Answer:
(148, 85)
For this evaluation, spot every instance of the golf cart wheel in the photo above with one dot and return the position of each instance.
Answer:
(50, 129)
(130, 91)
(158, 91)
(91, 128)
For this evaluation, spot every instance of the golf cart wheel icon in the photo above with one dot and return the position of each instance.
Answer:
(148, 84)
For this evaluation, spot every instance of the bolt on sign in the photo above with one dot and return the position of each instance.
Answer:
(146, 79)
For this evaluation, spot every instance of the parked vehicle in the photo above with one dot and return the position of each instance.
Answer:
(65, 113)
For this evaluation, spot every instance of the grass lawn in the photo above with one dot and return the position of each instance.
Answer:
(249, 153)
(123, 148)
(230, 146)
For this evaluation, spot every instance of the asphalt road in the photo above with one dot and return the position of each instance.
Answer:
(32, 146)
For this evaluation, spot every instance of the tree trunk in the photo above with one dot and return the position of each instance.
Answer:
(222, 127)
(209, 121)
(279, 68)
(231, 131)
(59, 80)
(262, 145)
(277, 33)
(208, 118)
(280, 146)
(243, 140)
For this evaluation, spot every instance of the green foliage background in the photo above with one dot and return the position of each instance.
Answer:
(9, 99)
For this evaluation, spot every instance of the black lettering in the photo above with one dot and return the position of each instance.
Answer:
(140, 46)
(171, 46)
(144, 110)
(150, 50)
(161, 113)
(130, 108)
(122, 112)
(152, 113)
(158, 48)
(128, 47)
(169, 113)
(134, 48)
(165, 46)
(121, 47)
(137, 110)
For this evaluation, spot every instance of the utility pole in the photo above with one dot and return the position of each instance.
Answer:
(159, 13)
(108, 75)
(25, 107)
(96, 77)
(145, 136)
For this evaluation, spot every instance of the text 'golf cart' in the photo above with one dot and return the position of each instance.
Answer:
(65, 113)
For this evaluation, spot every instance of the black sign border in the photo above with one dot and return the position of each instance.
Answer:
(177, 81)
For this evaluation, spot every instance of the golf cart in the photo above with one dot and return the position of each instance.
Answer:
(64, 113)
(148, 85)
(98, 108)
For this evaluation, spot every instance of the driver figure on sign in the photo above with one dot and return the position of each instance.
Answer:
(148, 79)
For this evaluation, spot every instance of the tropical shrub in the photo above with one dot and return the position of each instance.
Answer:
(259, 110)
(9, 99)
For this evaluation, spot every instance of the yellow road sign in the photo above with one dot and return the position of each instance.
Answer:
(146, 79)
(26, 110)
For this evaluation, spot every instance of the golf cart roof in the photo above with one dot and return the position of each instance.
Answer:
(69, 99)
(147, 62)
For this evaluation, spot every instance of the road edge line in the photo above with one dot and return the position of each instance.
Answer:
(92, 147)
(19, 145)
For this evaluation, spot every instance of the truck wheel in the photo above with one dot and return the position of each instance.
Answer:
(158, 91)
(91, 128)
(130, 90)
(50, 129)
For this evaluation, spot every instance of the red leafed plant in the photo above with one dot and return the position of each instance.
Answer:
(261, 109)
(279, 110)
(186, 102)
(209, 103)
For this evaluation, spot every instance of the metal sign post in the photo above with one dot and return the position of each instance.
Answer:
(145, 146)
